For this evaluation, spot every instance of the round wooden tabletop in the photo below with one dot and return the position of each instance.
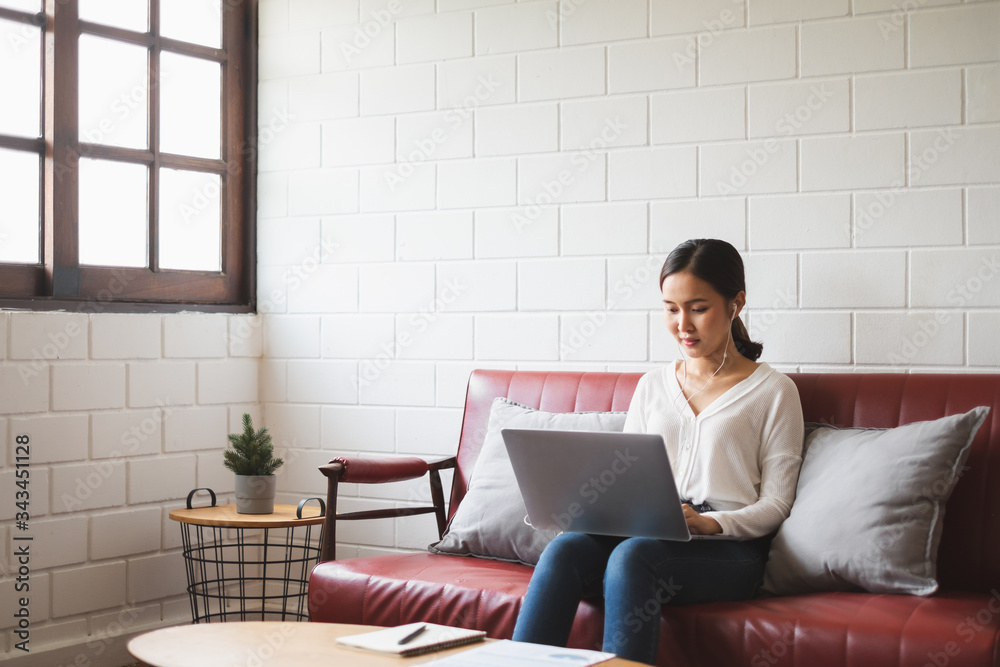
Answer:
(270, 643)
(226, 515)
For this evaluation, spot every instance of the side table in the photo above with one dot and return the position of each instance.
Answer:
(249, 566)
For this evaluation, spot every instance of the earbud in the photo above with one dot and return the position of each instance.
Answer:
(734, 312)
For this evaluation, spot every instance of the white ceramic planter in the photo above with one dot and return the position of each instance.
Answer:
(255, 494)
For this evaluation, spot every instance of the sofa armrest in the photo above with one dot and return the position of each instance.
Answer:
(375, 471)
(360, 470)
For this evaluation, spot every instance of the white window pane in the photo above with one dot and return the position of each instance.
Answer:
(190, 105)
(19, 178)
(113, 213)
(197, 21)
(113, 92)
(22, 5)
(128, 14)
(190, 230)
(20, 78)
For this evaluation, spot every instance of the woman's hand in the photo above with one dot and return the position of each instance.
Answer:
(699, 524)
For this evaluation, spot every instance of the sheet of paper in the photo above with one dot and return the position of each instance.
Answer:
(507, 653)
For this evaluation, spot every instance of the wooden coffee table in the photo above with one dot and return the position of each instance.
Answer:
(272, 644)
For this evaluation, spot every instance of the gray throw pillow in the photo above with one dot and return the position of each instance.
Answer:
(869, 508)
(489, 522)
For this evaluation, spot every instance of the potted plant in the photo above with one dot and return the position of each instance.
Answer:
(252, 459)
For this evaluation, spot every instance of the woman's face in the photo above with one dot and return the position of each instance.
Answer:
(698, 317)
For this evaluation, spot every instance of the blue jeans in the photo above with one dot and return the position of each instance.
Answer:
(636, 575)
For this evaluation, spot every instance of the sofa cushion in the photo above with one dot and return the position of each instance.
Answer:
(402, 588)
(479, 593)
(869, 508)
(834, 629)
(490, 522)
(818, 629)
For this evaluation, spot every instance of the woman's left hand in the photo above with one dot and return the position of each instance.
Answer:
(700, 524)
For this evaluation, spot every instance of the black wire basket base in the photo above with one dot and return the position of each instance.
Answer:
(259, 574)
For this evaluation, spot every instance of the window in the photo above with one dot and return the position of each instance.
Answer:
(127, 153)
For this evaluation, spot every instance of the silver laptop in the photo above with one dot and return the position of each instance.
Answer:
(605, 483)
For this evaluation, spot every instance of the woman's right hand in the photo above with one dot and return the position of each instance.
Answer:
(699, 524)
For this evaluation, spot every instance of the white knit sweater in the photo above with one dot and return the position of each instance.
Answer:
(741, 454)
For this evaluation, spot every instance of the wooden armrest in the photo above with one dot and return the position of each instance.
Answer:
(379, 471)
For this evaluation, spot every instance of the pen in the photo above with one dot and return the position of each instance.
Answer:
(413, 635)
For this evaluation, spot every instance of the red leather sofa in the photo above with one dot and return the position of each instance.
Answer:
(959, 625)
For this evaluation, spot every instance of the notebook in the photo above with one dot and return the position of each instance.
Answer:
(605, 483)
(433, 637)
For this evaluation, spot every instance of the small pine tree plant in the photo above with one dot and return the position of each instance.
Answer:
(252, 452)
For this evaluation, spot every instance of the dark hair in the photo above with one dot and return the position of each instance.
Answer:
(719, 264)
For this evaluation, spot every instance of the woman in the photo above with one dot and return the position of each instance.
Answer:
(733, 430)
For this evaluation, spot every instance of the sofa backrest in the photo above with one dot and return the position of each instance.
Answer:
(969, 557)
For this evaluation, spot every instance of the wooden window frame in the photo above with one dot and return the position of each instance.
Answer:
(59, 281)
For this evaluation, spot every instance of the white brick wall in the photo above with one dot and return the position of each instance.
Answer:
(507, 130)
(653, 64)
(118, 534)
(562, 73)
(194, 335)
(48, 336)
(104, 399)
(983, 93)
(670, 16)
(517, 337)
(908, 99)
(516, 28)
(983, 204)
(737, 56)
(498, 234)
(127, 337)
(442, 135)
(64, 437)
(491, 179)
(155, 577)
(852, 45)
(583, 225)
(695, 115)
